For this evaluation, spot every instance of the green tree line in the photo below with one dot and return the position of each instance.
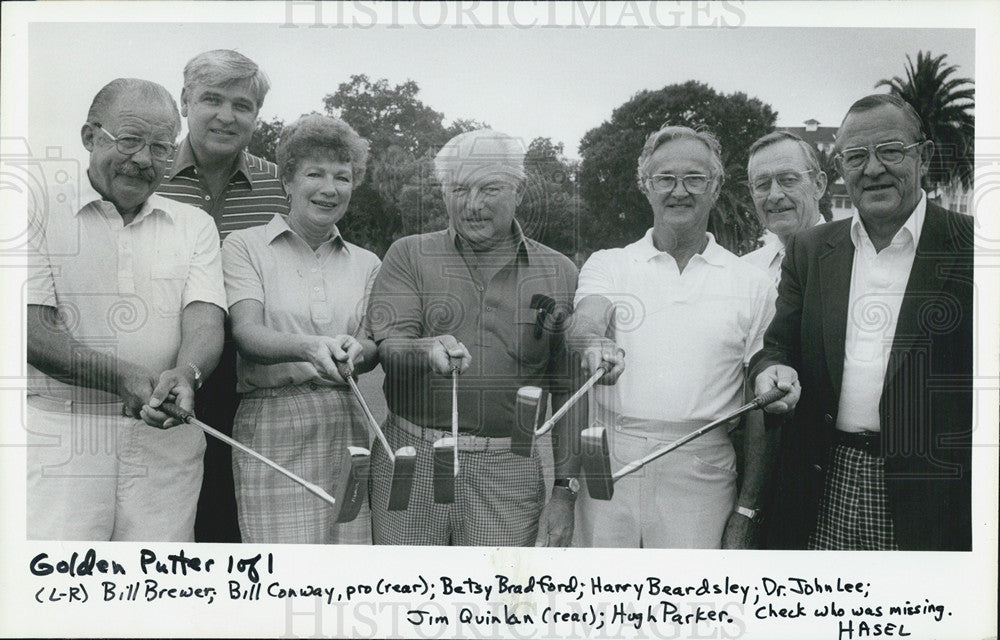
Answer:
(580, 206)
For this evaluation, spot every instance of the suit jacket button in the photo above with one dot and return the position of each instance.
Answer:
(828, 419)
(817, 468)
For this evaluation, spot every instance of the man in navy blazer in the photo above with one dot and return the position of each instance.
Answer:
(874, 321)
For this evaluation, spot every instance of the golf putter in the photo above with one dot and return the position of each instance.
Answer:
(446, 453)
(352, 483)
(530, 405)
(403, 461)
(187, 417)
(597, 460)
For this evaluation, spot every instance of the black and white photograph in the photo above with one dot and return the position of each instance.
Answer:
(500, 319)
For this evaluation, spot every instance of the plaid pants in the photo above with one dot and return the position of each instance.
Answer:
(305, 429)
(498, 495)
(854, 513)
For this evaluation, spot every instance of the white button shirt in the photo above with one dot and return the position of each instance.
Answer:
(878, 282)
(686, 335)
(121, 288)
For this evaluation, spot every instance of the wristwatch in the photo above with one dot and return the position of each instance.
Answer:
(570, 484)
(197, 375)
(753, 514)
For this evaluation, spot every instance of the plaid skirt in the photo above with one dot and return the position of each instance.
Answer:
(304, 428)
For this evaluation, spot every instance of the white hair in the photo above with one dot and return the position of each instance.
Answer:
(478, 150)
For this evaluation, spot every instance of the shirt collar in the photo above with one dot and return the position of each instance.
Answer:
(523, 247)
(89, 195)
(278, 226)
(644, 250)
(911, 227)
(184, 159)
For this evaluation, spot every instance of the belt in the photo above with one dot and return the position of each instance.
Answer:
(59, 405)
(294, 389)
(465, 442)
(868, 441)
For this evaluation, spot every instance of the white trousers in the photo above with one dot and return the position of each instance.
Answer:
(680, 501)
(101, 476)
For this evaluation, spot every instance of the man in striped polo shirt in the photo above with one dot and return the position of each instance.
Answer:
(222, 95)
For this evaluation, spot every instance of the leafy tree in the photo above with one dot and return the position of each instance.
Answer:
(945, 105)
(265, 139)
(552, 208)
(388, 116)
(619, 212)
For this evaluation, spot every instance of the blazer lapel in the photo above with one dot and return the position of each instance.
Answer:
(835, 264)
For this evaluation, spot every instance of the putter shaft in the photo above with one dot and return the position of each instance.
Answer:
(757, 403)
(186, 416)
(373, 423)
(454, 415)
(582, 391)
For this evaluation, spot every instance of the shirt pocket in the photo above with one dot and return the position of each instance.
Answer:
(167, 277)
(530, 338)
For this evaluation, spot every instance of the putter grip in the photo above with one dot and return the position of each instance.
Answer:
(176, 412)
(768, 397)
(343, 370)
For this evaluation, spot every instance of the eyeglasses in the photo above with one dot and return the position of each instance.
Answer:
(888, 153)
(694, 183)
(786, 180)
(128, 145)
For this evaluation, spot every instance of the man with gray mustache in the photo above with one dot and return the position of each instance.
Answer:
(125, 311)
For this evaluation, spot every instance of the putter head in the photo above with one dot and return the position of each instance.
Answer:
(351, 490)
(522, 436)
(597, 463)
(403, 472)
(444, 470)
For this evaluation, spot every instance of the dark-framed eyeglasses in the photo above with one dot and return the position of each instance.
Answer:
(786, 180)
(888, 153)
(694, 183)
(128, 145)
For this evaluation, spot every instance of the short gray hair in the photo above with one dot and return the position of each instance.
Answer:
(667, 133)
(480, 148)
(221, 67)
(812, 157)
(145, 90)
(318, 135)
(877, 100)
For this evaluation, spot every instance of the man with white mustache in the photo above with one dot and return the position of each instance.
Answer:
(125, 311)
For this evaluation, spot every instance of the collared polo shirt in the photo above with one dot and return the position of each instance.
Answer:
(429, 286)
(121, 288)
(878, 283)
(686, 335)
(768, 257)
(304, 292)
(253, 195)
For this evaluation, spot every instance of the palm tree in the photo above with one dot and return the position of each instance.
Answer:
(946, 106)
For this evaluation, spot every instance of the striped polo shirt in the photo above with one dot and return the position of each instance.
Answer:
(252, 197)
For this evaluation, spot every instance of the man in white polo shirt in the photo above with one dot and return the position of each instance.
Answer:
(689, 314)
(125, 311)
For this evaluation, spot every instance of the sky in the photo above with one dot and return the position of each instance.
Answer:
(553, 82)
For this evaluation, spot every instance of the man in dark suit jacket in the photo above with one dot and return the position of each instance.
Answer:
(874, 320)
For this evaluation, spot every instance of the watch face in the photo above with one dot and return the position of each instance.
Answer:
(574, 485)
